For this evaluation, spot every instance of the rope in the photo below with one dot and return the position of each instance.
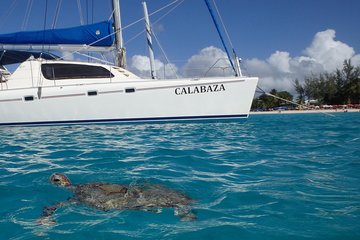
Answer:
(78, 1)
(88, 56)
(229, 39)
(220, 35)
(166, 58)
(8, 12)
(158, 42)
(27, 15)
(158, 20)
(80, 12)
(141, 19)
(283, 99)
(45, 17)
(168, 12)
(172, 3)
(111, 14)
(57, 12)
(92, 11)
(87, 12)
(223, 25)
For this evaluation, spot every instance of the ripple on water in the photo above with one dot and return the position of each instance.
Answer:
(271, 177)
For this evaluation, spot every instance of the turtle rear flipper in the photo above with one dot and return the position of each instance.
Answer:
(46, 221)
(184, 213)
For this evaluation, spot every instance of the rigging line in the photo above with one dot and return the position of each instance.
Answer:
(166, 58)
(110, 7)
(220, 35)
(136, 36)
(237, 60)
(158, 20)
(223, 25)
(80, 12)
(89, 45)
(104, 58)
(87, 11)
(27, 15)
(213, 66)
(92, 11)
(168, 12)
(86, 55)
(283, 99)
(160, 9)
(111, 15)
(141, 19)
(112, 12)
(57, 12)
(89, 5)
(9, 11)
(46, 8)
(158, 42)
(129, 25)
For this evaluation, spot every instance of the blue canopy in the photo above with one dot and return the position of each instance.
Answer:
(11, 56)
(98, 34)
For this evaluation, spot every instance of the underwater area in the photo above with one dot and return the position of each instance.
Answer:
(278, 176)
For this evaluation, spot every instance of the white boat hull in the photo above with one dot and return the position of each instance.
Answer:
(129, 101)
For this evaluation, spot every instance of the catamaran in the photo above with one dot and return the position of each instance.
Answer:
(48, 90)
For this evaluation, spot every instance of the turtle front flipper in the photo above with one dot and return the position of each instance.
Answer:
(184, 213)
(48, 211)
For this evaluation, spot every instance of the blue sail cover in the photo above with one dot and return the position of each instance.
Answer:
(98, 35)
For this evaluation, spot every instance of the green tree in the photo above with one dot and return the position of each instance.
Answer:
(339, 87)
(284, 95)
(300, 91)
(265, 101)
(348, 79)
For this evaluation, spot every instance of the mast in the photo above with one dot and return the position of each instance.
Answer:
(237, 70)
(149, 41)
(120, 55)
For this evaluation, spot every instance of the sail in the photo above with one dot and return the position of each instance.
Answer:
(97, 35)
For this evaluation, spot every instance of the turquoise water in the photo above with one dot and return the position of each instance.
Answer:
(270, 177)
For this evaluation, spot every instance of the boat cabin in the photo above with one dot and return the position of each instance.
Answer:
(46, 72)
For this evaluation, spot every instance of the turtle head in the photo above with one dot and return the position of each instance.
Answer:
(60, 180)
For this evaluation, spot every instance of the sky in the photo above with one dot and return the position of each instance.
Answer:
(278, 40)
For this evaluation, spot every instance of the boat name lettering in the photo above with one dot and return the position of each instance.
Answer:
(200, 89)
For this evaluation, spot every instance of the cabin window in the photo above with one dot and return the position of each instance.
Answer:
(29, 98)
(92, 93)
(58, 71)
(129, 90)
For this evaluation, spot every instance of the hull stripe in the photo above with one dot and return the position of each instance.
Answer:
(125, 120)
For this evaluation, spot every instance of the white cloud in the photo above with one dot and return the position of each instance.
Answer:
(355, 60)
(280, 61)
(327, 51)
(258, 67)
(280, 69)
(211, 57)
(140, 65)
(68, 56)
(210, 61)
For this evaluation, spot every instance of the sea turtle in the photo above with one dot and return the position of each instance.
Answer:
(108, 196)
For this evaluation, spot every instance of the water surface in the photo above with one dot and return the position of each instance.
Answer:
(270, 177)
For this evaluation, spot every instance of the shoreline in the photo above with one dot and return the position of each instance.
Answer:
(305, 111)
